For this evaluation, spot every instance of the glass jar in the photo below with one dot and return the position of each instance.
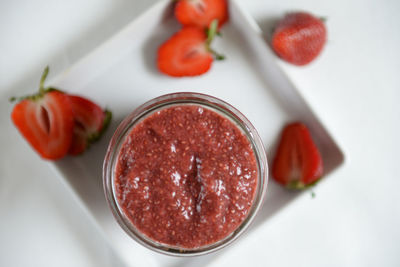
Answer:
(157, 104)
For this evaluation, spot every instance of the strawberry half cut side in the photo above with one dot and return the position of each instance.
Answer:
(201, 13)
(297, 163)
(90, 122)
(188, 52)
(46, 122)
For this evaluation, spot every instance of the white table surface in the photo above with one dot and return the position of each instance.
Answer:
(354, 86)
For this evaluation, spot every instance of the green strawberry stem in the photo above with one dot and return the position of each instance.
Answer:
(298, 185)
(211, 33)
(216, 54)
(323, 19)
(43, 79)
(42, 90)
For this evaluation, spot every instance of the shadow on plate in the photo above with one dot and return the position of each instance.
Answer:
(162, 32)
(84, 174)
(267, 26)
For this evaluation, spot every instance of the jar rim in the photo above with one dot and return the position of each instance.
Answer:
(163, 102)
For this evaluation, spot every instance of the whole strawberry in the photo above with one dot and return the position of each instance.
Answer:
(299, 38)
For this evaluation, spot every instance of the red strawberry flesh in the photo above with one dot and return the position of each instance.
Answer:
(46, 123)
(297, 163)
(55, 123)
(201, 13)
(89, 119)
(185, 53)
(299, 38)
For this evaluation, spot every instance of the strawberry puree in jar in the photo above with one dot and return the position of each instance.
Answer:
(186, 176)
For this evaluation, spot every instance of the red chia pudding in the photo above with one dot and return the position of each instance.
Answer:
(185, 177)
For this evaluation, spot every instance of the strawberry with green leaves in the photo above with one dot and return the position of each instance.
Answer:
(55, 123)
(298, 162)
(201, 13)
(45, 120)
(188, 52)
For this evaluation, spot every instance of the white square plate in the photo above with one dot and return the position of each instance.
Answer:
(121, 74)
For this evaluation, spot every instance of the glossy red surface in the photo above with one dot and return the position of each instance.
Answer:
(186, 176)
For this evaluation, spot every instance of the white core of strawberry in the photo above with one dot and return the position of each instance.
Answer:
(44, 119)
(295, 170)
(200, 5)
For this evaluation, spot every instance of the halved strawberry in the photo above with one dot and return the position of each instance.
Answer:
(201, 13)
(298, 163)
(188, 52)
(90, 123)
(55, 123)
(46, 121)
